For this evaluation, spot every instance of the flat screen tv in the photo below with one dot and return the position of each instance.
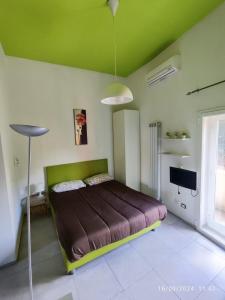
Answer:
(184, 178)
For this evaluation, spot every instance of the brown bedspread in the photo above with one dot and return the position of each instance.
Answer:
(92, 217)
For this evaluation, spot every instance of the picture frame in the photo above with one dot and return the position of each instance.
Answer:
(80, 126)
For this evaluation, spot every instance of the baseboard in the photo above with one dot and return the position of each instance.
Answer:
(213, 236)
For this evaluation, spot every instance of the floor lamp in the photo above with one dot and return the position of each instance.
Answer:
(29, 131)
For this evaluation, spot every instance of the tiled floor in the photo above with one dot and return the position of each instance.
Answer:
(174, 262)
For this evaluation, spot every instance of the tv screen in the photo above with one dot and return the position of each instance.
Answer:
(184, 178)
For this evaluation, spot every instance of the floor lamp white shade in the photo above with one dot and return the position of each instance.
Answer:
(29, 131)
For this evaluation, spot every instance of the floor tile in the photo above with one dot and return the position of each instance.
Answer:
(184, 277)
(211, 293)
(152, 249)
(13, 269)
(15, 287)
(186, 230)
(210, 245)
(174, 239)
(39, 237)
(220, 280)
(97, 283)
(174, 257)
(67, 297)
(49, 274)
(150, 287)
(46, 252)
(127, 265)
(65, 291)
(170, 219)
(121, 296)
(204, 259)
(90, 265)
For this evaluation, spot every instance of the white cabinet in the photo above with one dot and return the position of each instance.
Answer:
(126, 135)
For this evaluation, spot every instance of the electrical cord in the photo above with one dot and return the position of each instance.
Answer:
(195, 195)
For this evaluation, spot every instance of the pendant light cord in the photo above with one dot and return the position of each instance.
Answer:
(115, 48)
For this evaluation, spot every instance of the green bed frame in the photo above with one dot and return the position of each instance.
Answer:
(82, 170)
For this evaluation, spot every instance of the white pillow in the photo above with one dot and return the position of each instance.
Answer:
(99, 178)
(68, 186)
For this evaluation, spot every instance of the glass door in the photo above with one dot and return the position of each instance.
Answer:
(213, 173)
(219, 199)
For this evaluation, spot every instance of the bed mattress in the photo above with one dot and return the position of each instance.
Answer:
(93, 217)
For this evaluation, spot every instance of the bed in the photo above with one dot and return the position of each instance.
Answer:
(94, 220)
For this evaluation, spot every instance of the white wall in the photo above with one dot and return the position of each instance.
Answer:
(202, 51)
(45, 94)
(8, 217)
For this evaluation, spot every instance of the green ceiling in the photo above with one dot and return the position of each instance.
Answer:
(79, 32)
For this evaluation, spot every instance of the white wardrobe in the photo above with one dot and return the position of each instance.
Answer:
(126, 134)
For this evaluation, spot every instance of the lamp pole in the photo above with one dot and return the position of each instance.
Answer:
(28, 220)
(29, 131)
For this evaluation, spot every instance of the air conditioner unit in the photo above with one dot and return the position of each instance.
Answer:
(166, 69)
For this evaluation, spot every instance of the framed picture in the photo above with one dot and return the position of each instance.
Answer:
(80, 126)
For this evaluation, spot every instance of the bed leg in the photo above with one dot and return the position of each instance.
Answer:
(70, 272)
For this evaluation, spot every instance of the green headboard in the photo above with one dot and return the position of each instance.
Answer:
(73, 171)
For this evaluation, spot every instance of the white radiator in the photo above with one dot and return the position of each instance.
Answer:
(155, 142)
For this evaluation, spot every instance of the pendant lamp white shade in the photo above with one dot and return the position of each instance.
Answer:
(117, 93)
(113, 5)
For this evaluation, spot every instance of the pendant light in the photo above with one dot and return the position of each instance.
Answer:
(116, 93)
